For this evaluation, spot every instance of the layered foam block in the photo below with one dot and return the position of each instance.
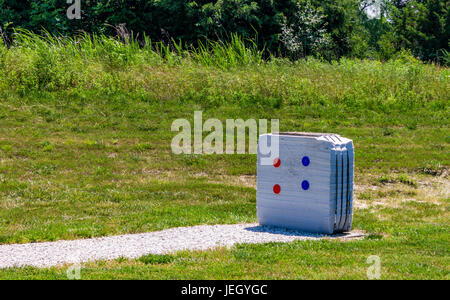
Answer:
(309, 185)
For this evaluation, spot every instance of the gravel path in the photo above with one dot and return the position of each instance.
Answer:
(135, 245)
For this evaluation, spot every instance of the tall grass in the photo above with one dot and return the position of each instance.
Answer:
(215, 72)
(226, 55)
(121, 53)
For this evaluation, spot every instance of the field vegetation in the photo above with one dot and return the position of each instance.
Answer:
(85, 152)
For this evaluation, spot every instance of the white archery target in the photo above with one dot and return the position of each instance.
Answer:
(315, 180)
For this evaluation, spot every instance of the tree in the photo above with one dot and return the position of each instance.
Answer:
(423, 26)
(307, 35)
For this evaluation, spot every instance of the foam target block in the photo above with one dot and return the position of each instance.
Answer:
(309, 185)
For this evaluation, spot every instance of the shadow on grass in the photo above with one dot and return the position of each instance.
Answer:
(293, 232)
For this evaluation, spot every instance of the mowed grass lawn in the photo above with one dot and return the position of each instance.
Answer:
(85, 152)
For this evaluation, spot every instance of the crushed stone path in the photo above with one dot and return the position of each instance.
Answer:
(200, 237)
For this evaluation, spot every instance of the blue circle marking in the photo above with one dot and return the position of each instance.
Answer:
(305, 161)
(305, 185)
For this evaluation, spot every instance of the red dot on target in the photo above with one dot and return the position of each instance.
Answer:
(276, 162)
(276, 189)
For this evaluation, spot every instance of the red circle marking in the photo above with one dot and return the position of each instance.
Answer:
(276, 189)
(276, 162)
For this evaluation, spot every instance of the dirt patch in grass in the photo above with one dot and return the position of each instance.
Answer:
(242, 180)
(394, 190)
(375, 190)
(371, 190)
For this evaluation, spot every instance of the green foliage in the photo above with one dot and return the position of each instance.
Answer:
(154, 259)
(189, 21)
(386, 46)
(422, 26)
(307, 35)
(393, 96)
(238, 52)
(50, 62)
(445, 57)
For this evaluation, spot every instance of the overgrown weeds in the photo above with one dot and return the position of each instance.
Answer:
(217, 72)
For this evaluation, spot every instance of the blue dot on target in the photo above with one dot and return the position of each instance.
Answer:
(305, 185)
(305, 161)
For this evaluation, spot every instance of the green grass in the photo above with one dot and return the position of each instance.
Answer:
(85, 152)
(411, 253)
